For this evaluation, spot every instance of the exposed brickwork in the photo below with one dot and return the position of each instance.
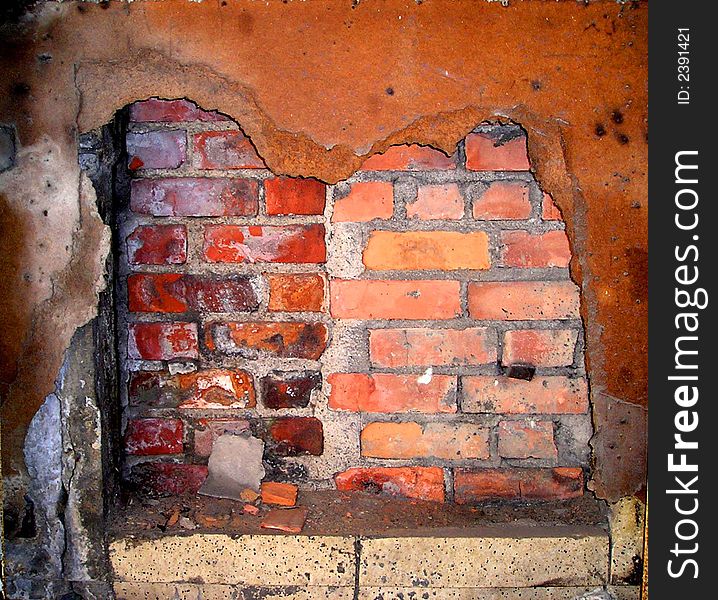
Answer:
(432, 347)
(527, 484)
(423, 483)
(426, 250)
(543, 347)
(157, 245)
(296, 292)
(287, 196)
(442, 201)
(409, 158)
(433, 440)
(364, 202)
(194, 197)
(257, 243)
(224, 150)
(364, 331)
(374, 299)
(388, 393)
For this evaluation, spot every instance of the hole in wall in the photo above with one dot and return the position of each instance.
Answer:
(368, 332)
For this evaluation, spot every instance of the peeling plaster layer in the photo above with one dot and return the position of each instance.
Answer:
(53, 246)
(316, 85)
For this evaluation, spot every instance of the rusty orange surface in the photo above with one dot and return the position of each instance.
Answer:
(320, 85)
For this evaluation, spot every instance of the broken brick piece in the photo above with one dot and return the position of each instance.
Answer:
(289, 390)
(281, 494)
(290, 520)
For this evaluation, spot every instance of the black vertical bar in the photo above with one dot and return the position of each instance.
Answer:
(682, 275)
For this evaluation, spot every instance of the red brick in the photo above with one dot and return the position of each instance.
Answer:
(540, 347)
(217, 389)
(389, 393)
(503, 200)
(426, 347)
(523, 249)
(541, 395)
(294, 196)
(421, 483)
(157, 245)
(560, 483)
(482, 154)
(523, 300)
(295, 436)
(163, 149)
(549, 210)
(365, 201)
(255, 340)
(296, 292)
(409, 158)
(446, 441)
(177, 293)
(261, 244)
(437, 202)
(289, 390)
(148, 437)
(156, 293)
(526, 439)
(144, 388)
(224, 150)
(168, 479)
(425, 250)
(376, 299)
(209, 430)
(162, 341)
(171, 111)
(195, 197)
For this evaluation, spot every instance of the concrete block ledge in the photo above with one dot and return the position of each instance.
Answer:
(546, 562)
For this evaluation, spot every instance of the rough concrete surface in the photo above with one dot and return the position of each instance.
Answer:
(317, 86)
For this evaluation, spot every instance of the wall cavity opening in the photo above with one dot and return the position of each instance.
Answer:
(410, 332)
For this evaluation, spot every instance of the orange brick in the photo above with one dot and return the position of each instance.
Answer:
(421, 483)
(281, 494)
(523, 249)
(549, 210)
(447, 441)
(375, 299)
(483, 155)
(424, 250)
(541, 395)
(366, 201)
(523, 300)
(560, 483)
(503, 200)
(425, 347)
(388, 393)
(437, 202)
(409, 158)
(526, 439)
(540, 347)
(267, 339)
(296, 292)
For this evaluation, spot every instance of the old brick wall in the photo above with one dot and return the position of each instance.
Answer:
(371, 332)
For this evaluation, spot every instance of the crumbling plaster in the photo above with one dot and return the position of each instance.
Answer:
(317, 86)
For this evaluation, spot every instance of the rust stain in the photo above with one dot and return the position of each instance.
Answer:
(319, 86)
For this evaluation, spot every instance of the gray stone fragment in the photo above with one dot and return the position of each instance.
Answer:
(234, 465)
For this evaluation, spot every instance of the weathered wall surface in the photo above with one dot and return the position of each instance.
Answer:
(318, 86)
